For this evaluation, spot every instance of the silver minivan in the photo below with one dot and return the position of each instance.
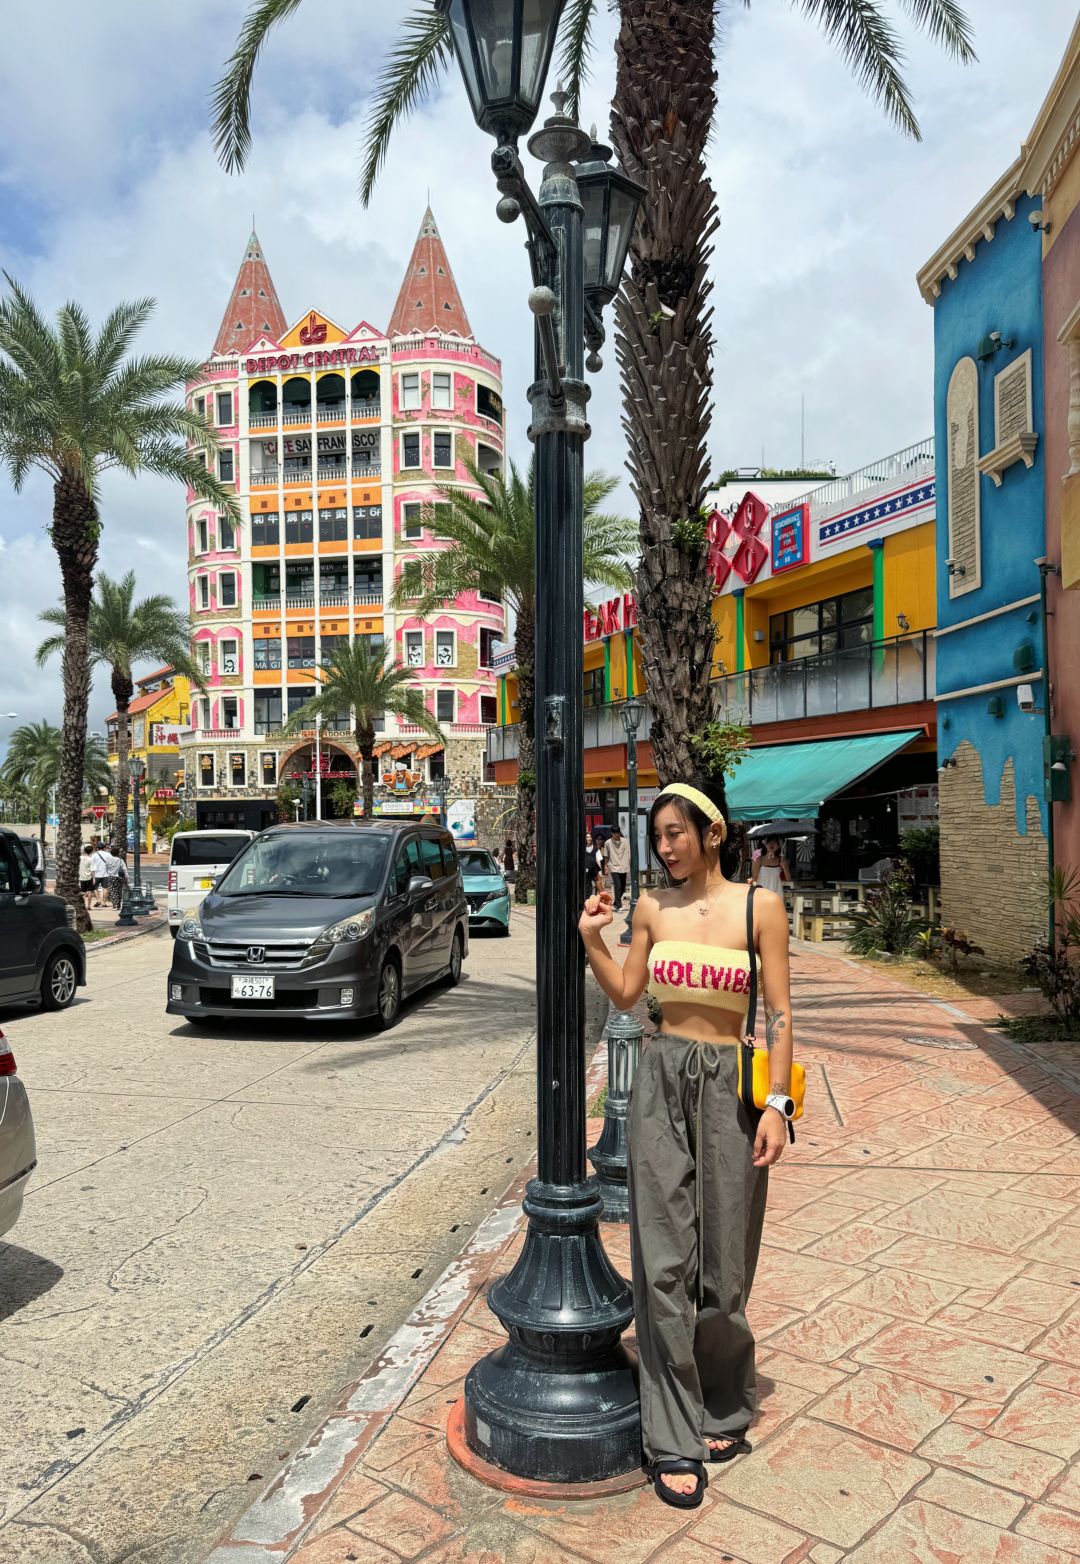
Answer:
(196, 859)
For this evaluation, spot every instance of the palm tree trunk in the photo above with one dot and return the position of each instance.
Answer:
(365, 744)
(122, 689)
(74, 534)
(525, 822)
(43, 818)
(660, 124)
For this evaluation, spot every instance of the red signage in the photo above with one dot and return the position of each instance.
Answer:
(750, 554)
(99, 811)
(324, 360)
(619, 613)
(314, 331)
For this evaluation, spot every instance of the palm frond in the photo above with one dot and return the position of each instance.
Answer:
(871, 49)
(414, 66)
(118, 332)
(231, 124)
(576, 50)
(946, 22)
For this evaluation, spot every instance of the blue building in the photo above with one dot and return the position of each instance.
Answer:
(985, 287)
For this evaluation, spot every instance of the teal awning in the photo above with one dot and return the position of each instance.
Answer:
(792, 781)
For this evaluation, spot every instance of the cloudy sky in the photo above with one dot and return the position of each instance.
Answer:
(109, 190)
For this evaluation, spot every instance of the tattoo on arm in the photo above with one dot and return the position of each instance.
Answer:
(774, 1025)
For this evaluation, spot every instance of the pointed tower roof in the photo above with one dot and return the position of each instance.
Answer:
(253, 310)
(429, 299)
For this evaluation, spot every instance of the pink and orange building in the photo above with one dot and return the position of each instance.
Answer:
(338, 441)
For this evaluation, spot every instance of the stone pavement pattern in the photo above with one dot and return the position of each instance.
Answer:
(917, 1309)
(224, 1226)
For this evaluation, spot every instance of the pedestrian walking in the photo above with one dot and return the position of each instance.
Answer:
(617, 859)
(100, 858)
(594, 865)
(116, 876)
(770, 869)
(86, 875)
(508, 860)
(698, 1157)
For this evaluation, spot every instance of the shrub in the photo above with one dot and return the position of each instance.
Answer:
(719, 747)
(921, 848)
(888, 924)
(170, 830)
(1054, 967)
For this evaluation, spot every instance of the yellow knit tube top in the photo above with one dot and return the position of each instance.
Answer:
(681, 972)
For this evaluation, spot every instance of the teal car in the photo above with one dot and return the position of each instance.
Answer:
(485, 890)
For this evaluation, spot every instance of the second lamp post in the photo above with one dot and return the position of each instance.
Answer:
(558, 1401)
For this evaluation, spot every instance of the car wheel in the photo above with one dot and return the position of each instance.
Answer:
(389, 998)
(453, 971)
(505, 931)
(59, 981)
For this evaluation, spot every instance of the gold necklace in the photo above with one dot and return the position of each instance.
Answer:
(705, 906)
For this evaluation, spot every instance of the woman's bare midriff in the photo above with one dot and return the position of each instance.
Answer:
(688, 1021)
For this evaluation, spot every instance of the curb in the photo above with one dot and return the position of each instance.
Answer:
(120, 939)
(273, 1526)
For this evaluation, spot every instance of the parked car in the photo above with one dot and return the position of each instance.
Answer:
(324, 921)
(196, 860)
(485, 890)
(42, 958)
(18, 1152)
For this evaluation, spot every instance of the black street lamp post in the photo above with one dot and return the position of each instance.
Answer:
(558, 1401)
(135, 769)
(632, 713)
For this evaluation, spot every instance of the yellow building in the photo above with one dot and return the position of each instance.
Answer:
(158, 717)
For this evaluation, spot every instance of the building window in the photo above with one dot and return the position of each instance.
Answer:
(265, 529)
(230, 712)
(224, 408)
(411, 580)
(269, 768)
(202, 656)
(442, 390)
(836, 624)
(444, 705)
(229, 659)
(410, 450)
(237, 769)
(414, 648)
(203, 591)
(489, 710)
(487, 647)
(490, 596)
(268, 654)
(227, 589)
(367, 521)
(301, 651)
(268, 711)
(225, 466)
(412, 521)
(299, 526)
(436, 513)
(299, 695)
(489, 404)
(442, 448)
(200, 406)
(334, 525)
(329, 647)
(592, 686)
(446, 648)
(226, 534)
(202, 531)
(375, 644)
(410, 393)
(206, 770)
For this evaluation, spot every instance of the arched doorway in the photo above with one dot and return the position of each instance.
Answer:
(338, 775)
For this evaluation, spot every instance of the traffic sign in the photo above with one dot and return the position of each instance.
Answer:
(99, 811)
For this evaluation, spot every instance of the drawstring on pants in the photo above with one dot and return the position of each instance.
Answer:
(701, 1060)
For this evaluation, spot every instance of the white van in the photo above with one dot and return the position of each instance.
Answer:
(196, 858)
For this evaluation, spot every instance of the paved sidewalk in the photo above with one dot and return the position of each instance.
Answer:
(917, 1309)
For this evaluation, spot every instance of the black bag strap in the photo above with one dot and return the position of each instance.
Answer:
(751, 1008)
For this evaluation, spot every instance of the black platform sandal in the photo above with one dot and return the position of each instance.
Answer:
(738, 1446)
(677, 1467)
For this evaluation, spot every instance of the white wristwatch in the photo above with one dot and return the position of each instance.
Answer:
(785, 1106)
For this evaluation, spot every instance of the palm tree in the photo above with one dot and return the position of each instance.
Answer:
(492, 550)
(661, 120)
(75, 406)
(32, 768)
(359, 679)
(122, 633)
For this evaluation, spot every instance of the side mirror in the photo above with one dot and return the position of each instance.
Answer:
(420, 882)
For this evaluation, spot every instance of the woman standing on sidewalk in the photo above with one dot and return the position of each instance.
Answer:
(698, 1162)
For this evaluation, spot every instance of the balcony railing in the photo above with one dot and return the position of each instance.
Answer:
(262, 420)
(271, 605)
(602, 725)
(361, 411)
(264, 478)
(896, 672)
(914, 461)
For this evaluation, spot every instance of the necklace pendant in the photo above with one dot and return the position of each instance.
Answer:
(703, 912)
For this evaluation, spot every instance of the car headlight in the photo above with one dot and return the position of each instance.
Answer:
(349, 930)
(190, 928)
(499, 894)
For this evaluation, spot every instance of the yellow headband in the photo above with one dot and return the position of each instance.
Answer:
(704, 803)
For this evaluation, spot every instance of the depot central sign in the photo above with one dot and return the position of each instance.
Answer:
(327, 358)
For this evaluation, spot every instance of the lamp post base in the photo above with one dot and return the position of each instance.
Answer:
(559, 1401)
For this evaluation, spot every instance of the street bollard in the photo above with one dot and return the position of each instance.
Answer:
(608, 1156)
(127, 917)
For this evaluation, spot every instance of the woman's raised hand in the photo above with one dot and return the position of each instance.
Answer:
(598, 913)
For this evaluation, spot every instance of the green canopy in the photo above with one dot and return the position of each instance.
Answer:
(792, 781)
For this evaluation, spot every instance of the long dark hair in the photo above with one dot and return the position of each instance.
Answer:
(695, 819)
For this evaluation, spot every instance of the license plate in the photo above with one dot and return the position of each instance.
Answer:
(206, 885)
(252, 987)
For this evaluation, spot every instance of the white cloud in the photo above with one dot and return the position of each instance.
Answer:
(110, 190)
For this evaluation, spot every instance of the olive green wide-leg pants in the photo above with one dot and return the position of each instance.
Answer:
(691, 1151)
